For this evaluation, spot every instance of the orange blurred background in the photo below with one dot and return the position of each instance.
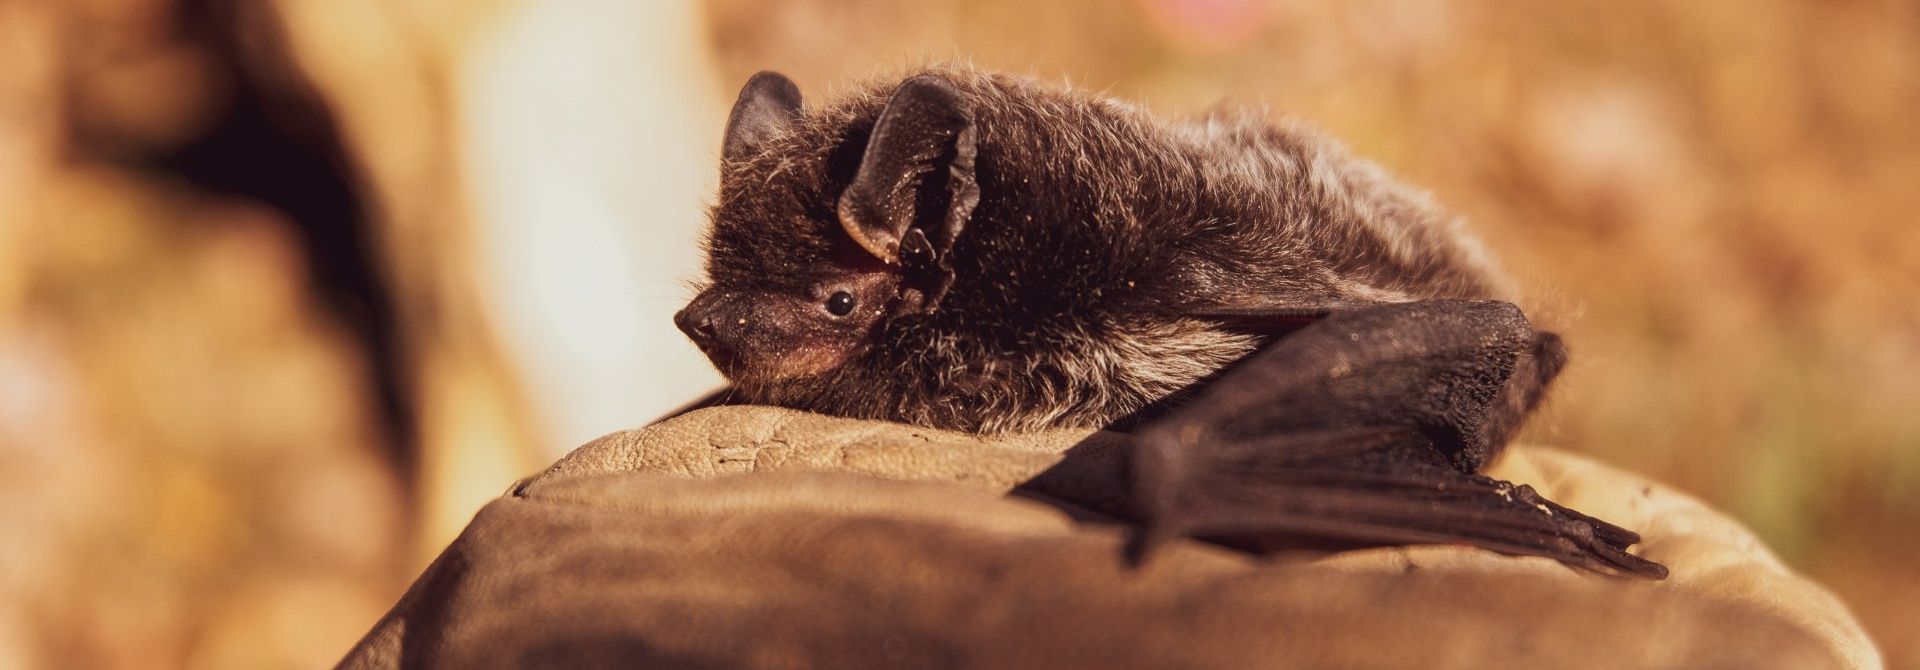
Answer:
(288, 288)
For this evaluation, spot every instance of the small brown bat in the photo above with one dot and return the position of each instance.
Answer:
(1320, 354)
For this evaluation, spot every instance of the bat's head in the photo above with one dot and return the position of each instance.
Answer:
(828, 226)
(840, 280)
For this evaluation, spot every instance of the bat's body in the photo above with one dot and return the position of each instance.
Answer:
(977, 252)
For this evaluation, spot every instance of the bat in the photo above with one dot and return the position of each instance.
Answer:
(1304, 351)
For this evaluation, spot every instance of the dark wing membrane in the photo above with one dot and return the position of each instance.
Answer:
(1377, 487)
(1341, 434)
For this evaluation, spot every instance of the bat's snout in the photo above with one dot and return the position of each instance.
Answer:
(763, 335)
(710, 321)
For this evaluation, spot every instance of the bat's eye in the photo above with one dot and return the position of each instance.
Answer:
(840, 303)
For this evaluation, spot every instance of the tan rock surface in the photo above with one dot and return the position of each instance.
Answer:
(771, 538)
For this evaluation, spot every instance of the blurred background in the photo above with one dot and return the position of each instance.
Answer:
(289, 288)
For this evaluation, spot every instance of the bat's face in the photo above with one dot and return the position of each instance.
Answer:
(768, 330)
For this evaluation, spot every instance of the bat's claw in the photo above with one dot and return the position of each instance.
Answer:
(1353, 491)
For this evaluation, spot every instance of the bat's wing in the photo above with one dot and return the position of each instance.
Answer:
(1340, 434)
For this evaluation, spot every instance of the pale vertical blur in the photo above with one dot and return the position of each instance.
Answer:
(590, 151)
(1714, 201)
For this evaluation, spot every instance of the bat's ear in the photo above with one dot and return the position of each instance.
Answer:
(767, 104)
(915, 188)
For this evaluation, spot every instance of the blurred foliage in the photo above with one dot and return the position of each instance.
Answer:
(190, 457)
(1713, 201)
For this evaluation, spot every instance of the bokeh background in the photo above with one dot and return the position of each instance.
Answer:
(288, 288)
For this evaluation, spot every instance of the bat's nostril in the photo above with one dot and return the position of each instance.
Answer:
(696, 326)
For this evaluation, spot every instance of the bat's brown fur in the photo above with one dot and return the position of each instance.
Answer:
(1099, 231)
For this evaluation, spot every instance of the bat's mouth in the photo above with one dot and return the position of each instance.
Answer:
(799, 363)
(723, 359)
